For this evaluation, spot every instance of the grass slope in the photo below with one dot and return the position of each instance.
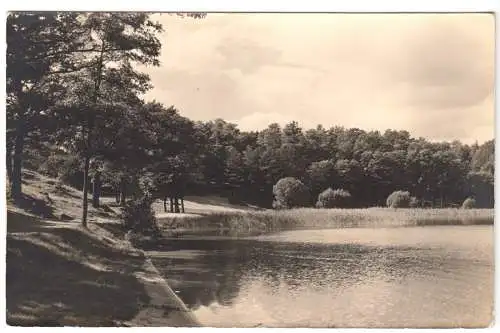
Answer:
(60, 274)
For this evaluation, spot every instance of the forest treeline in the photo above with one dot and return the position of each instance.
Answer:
(75, 111)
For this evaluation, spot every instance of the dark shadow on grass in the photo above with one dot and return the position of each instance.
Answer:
(104, 214)
(35, 206)
(18, 222)
(107, 209)
(119, 259)
(46, 288)
(116, 229)
(62, 190)
(29, 175)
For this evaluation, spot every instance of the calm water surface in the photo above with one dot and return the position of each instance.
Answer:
(438, 276)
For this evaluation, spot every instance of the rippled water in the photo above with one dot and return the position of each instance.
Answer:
(438, 276)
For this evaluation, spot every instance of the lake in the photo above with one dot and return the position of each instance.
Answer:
(432, 276)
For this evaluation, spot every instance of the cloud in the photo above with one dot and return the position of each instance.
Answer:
(246, 55)
(431, 74)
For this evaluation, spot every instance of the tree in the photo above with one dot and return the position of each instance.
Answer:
(316, 144)
(221, 136)
(350, 176)
(483, 158)
(290, 192)
(170, 180)
(139, 217)
(235, 173)
(367, 141)
(37, 47)
(321, 175)
(480, 185)
(112, 43)
(270, 137)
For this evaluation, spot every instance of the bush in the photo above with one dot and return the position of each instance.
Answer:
(413, 202)
(52, 165)
(469, 203)
(139, 217)
(68, 168)
(290, 192)
(334, 198)
(71, 172)
(399, 199)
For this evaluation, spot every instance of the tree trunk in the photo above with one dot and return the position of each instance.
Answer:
(85, 190)
(182, 204)
(90, 126)
(176, 203)
(8, 159)
(171, 204)
(165, 204)
(123, 198)
(96, 190)
(16, 180)
(123, 191)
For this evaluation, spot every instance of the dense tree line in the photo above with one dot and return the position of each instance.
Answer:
(74, 102)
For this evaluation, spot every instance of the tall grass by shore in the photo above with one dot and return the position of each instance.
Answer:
(274, 220)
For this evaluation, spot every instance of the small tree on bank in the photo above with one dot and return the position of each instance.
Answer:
(399, 199)
(334, 198)
(138, 215)
(290, 192)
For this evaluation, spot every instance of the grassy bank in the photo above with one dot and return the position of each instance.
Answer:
(60, 274)
(273, 220)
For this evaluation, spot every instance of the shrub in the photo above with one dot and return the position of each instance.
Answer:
(398, 199)
(144, 185)
(68, 168)
(333, 198)
(469, 203)
(71, 172)
(413, 202)
(139, 217)
(52, 165)
(290, 192)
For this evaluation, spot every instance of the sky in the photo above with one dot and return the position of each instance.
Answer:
(430, 74)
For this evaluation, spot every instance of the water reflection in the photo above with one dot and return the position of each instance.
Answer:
(250, 282)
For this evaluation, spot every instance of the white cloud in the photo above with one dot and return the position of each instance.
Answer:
(430, 74)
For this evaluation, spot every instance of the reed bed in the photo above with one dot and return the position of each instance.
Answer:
(310, 218)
